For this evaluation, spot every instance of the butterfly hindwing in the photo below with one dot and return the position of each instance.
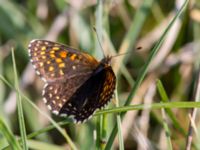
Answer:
(94, 94)
(56, 94)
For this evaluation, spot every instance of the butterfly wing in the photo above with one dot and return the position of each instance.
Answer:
(63, 68)
(56, 94)
(76, 83)
(94, 94)
(54, 62)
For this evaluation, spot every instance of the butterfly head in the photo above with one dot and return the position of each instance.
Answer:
(106, 61)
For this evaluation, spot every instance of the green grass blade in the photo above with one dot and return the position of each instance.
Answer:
(44, 146)
(144, 70)
(119, 126)
(98, 131)
(9, 136)
(40, 146)
(165, 105)
(104, 132)
(167, 131)
(99, 28)
(19, 107)
(134, 31)
(165, 98)
(162, 91)
(98, 53)
(72, 145)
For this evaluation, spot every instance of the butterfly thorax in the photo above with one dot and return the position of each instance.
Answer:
(104, 64)
(106, 61)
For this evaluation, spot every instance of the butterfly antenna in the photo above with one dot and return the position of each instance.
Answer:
(137, 48)
(98, 39)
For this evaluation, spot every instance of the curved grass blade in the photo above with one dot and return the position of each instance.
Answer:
(165, 98)
(9, 136)
(19, 106)
(72, 145)
(144, 70)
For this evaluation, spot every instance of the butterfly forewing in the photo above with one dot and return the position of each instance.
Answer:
(54, 61)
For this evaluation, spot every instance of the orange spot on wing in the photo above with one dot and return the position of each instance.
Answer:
(62, 65)
(63, 54)
(58, 60)
(42, 52)
(90, 58)
(41, 64)
(52, 51)
(52, 56)
(51, 68)
(73, 57)
(43, 48)
(56, 48)
(61, 72)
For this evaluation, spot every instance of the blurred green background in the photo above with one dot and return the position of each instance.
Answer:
(122, 25)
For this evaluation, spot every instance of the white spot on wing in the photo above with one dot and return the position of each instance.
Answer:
(78, 122)
(43, 79)
(63, 115)
(55, 112)
(60, 105)
(34, 66)
(43, 92)
(90, 117)
(45, 100)
(32, 41)
(38, 73)
(49, 107)
(45, 85)
(50, 95)
(55, 91)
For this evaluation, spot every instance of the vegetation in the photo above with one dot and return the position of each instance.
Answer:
(158, 79)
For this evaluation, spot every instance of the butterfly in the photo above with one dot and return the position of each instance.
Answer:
(76, 84)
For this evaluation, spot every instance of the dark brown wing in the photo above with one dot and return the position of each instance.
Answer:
(56, 94)
(55, 62)
(63, 68)
(76, 84)
(94, 94)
